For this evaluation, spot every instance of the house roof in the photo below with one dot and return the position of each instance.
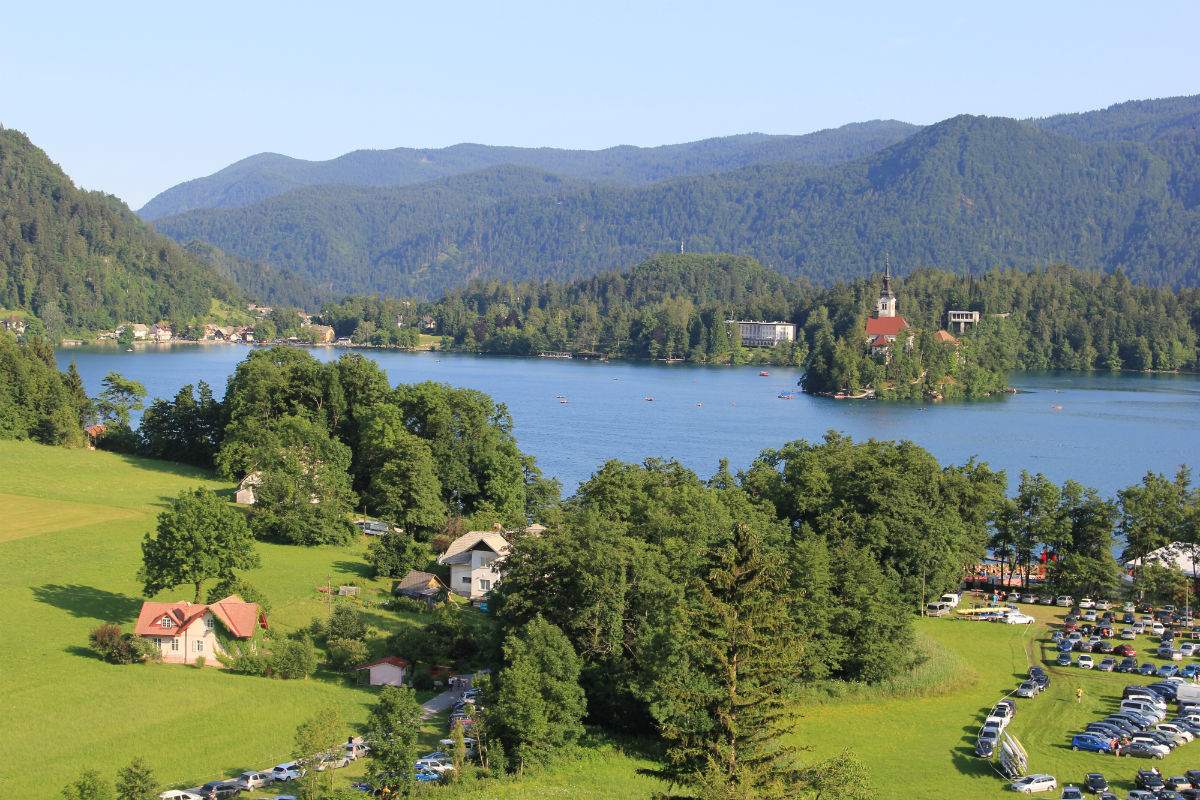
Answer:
(880, 341)
(252, 479)
(459, 551)
(393, 660)
(238, 616)
(945, 337)
(886, 326)
(416, 581)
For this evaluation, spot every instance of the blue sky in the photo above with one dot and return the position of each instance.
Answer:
(132, 98)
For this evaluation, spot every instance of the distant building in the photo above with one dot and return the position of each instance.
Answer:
(183, 632)
(886, 325)
(387, 671)
(324, 333)
(474, 560)
(245, 491)
(764, 334)
(962, 319)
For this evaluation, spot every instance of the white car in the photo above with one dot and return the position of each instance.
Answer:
(355, 750)
(178, 794)
(1103, 605)
(1035, 783)
(1127, 633)
(254, 780)
(1161, 749)
(1018, 619)
(1175, 731)
(1063, 600)
(1087, 602)
(1085, 661)
(288, 772)
(434, 765)
(331, 761)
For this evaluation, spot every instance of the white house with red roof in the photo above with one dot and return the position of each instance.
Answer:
(184, 631)
(387, 671)
(886, 326)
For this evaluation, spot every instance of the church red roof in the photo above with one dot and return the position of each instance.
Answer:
(880, 341)
(886, 326)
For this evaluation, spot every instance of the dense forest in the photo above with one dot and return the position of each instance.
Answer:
(83, 260)
(970, 193)
(677, 306)
(268, 174)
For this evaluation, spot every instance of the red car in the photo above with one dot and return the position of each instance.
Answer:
(1124, 650)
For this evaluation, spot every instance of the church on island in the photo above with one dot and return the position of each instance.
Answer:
(886, 325)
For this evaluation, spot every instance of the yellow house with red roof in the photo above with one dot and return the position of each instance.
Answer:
(183, 631)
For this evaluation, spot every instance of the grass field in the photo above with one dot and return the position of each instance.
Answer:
(70, 545)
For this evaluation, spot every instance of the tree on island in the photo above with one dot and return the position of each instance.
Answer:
(199, 537)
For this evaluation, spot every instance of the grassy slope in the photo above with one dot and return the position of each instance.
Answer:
(74, 566)
(73, 523)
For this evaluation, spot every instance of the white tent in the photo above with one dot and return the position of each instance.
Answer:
(1177, 555)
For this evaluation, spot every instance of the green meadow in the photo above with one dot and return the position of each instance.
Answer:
(70, 541)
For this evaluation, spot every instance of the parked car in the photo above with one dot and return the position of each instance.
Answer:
(1035, 783)
(1085, 662)
(1095, 782)
(1124, 650)
(1190, 671)
(1168, 671)
(1107, 665)
(254, 780)
(1071, 793)
(1087, 602)
(1028, 688)
(1158, 749)
(1177, 783)
(288, 772)
(333, 761)
(1127, 665)
(1148, 668)
(1063, 601)
(1182, 735)
(219, 790)
(1091, 742)
(440, 766)
(1017, 618)
(1064, 660)
(355, 750)
(1149, 779)
(179, 794)
(1039, 676)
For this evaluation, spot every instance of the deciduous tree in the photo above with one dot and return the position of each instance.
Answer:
(199, 537)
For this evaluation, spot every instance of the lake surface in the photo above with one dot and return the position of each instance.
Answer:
(1109, 431)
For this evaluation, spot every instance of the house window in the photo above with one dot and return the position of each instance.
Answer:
(175, 645)
(157, 641)
(485, 586)
(466, 579)
(209, 622)
(200, 646)
(165, 622)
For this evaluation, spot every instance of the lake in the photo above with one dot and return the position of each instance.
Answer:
(1103, 430)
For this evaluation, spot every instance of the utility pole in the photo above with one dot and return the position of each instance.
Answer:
(329, 591)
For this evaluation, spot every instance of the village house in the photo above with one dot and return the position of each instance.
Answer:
(139, 330)
(245, 491)
(324, 333)
(387, 671)
(161, 332)
(474, 559)
(424, 586)
(13, 324)
(183, 632)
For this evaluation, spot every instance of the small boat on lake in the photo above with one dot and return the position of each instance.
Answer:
(764, 374)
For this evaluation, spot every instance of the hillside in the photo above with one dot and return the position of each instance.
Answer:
(970, 194)
(82, 259)
(268, 174)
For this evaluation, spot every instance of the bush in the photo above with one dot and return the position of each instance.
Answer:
(422, 681)
(295, 658)
(410, 604)
(250, 664)
(200, 662)
(346, 623)
(116, 647)
(231, 584)
(346, 653)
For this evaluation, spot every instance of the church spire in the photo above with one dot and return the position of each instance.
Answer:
(886, 305)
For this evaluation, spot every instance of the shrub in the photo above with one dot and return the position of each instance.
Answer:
(410, 604)
(346, 623)
(422, 681)
(295, 658)
(200, 662)
(346, 653)
(116, 647)
(250, 664)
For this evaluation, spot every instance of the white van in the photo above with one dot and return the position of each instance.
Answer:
(951, 599)
(1145, 708)
(938, 609)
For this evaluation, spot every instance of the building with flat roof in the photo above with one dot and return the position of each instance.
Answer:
(764, 334)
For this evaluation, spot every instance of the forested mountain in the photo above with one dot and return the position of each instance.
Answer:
(1134, 121)
(268, 174)
(968, 194)
(268, 285)
(81, 259)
